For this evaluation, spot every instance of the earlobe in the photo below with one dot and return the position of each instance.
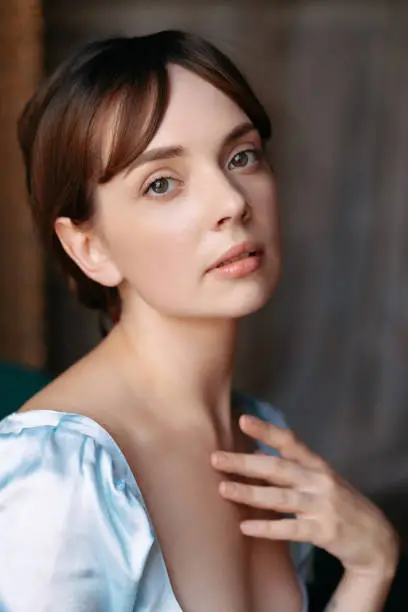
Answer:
(88, 251)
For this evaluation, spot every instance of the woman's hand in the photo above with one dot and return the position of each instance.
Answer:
(329, 513)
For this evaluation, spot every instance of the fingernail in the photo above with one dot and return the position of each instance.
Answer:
(249, 527)
(223, 488)
(246, 420)
(227, 488)
(217, 458)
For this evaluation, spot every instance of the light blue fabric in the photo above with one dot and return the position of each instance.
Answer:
(75, 535)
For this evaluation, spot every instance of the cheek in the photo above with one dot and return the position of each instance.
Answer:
(156, 253)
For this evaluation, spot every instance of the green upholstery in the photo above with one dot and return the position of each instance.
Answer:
(17, 384)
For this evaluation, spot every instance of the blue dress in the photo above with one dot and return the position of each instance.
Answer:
(75, 534)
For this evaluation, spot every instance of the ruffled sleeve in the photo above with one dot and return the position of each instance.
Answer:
(74, 536)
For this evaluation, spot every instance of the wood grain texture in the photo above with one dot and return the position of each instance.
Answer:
(21, 269)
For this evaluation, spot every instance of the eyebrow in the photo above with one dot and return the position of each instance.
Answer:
(162, 153)
(238, 132)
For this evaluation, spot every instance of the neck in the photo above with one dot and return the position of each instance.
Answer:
(185, 363)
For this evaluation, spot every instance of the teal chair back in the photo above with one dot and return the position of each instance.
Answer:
(17, 384)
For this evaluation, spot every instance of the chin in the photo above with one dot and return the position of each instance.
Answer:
(246, 300)
(249, 307)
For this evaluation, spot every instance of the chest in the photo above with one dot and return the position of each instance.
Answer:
(210, 564)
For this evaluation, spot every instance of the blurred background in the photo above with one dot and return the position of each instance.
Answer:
(331, 348)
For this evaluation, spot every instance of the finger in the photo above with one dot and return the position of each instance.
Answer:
(283, 440)
(293, 530)
(264, 467)
(269, 498)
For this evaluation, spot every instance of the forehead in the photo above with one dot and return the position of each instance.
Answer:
(198, 113)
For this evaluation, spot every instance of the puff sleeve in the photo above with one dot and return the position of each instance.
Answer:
(73, 536)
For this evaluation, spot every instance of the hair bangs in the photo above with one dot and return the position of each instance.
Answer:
(126, 123)
(95, 116)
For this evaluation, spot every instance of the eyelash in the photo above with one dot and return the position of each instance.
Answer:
(155, 180)
(256, 152)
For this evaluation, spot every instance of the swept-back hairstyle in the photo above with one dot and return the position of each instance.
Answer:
(61, 130)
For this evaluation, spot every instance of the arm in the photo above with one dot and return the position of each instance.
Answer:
(362, 593)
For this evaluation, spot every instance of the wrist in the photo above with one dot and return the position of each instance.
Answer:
(383, 565)
(374, 573)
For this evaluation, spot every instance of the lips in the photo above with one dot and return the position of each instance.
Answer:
(240, 251)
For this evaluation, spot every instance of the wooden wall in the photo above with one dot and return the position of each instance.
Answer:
(21, 269)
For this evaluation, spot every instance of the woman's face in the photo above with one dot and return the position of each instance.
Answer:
(200, 188)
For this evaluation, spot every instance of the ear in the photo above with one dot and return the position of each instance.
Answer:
(88, 251)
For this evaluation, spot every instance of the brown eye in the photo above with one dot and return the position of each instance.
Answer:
(244, 159)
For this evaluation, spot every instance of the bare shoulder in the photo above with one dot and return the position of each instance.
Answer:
(93, 388)
(87, 387)
(67, 392)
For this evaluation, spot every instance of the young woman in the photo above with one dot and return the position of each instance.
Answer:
(132, 482)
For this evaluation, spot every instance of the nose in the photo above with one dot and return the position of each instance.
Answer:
(229, 201)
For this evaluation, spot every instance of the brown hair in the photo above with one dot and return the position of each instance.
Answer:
(62, 141)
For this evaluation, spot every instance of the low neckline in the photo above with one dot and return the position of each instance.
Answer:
(16, 422)
(240, 404)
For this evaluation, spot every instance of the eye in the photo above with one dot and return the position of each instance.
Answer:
(245, 158)
(161, 186)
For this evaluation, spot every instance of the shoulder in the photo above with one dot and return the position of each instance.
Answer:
(70, 517)
(61, 443)
(72, 462)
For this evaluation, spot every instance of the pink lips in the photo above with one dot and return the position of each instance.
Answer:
(239, 261)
